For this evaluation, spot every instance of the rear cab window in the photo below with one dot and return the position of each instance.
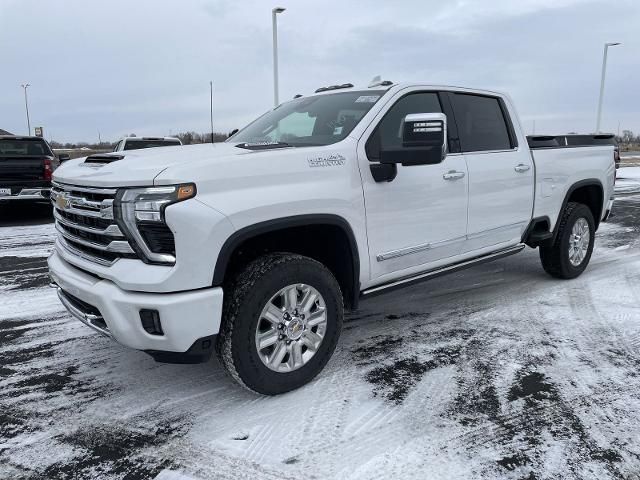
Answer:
(139, 144)
(24, 147)
(482, 123)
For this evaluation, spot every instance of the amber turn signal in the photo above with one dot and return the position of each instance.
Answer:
(186, 191)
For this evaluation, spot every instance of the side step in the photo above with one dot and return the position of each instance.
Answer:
(403, 282)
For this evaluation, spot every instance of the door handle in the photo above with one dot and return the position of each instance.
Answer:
(521, 168)
(453, 175)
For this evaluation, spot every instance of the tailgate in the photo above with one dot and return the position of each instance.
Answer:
(21, 171)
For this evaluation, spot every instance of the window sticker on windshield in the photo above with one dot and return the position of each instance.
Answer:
(367, 99)
(337, 131)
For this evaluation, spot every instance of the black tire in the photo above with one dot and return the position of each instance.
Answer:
(246, 296)
(555, 257)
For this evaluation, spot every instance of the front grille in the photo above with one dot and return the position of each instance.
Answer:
(86, 225)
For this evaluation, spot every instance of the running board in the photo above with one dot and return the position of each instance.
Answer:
(403, 282)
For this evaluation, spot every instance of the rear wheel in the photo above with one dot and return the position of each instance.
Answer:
(570, 253)
(282, 319)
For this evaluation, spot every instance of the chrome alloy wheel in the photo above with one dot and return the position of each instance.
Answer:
(579, 242)
(291, 328)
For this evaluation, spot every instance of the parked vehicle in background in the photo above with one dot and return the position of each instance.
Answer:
(579, 140)
(255, 246)
(137, 143)
(26, 167)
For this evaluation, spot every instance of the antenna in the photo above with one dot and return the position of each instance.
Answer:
(375, 81)
(378, 82)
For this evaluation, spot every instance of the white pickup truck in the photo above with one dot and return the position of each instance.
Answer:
(255, 246)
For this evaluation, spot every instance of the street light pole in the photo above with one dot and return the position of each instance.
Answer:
(211, 106)
(274, 22)
(602, 78)
(26, 105)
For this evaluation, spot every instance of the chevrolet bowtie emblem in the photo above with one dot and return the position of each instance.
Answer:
(62, 201)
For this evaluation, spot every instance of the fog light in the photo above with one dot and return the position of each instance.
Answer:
(150, 320)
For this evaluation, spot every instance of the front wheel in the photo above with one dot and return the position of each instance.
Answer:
(570, 253)
(281, 322)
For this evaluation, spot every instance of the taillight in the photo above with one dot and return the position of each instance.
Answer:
(48, 170)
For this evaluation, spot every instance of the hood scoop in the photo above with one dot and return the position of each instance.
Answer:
(103, 159)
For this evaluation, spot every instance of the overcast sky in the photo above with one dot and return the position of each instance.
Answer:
(144, 67)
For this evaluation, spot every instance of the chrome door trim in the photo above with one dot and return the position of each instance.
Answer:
(428, 246)
(418, 248)
(443, 270)
(491, 231)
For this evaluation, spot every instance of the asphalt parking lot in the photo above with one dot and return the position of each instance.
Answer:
(495, 372)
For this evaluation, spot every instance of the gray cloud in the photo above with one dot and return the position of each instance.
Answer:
(144, 66)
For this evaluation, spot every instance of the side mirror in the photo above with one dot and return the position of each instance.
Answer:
(424, 141)
(63, 157)
(233, 132)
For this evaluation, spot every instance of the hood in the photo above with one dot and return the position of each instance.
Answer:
(140, 167)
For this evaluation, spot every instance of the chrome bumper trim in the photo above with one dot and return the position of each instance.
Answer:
(88, 319)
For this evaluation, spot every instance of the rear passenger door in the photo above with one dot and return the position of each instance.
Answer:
(501, 174)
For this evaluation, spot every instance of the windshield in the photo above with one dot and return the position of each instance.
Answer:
(310, 121)
(24, 146)
(138, 144)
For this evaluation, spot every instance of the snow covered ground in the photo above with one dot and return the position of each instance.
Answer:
(495, 372)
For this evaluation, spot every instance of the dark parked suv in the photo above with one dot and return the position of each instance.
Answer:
(26, 166)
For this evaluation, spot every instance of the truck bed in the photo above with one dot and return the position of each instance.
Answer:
(559, 167)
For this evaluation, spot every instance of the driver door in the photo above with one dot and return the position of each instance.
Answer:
(418, 220)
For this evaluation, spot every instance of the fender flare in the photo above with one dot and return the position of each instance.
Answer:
(589, 182)
(248, 232)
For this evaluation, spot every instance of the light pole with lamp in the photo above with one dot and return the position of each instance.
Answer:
(26, 105)
(274, 21)
(604, 70)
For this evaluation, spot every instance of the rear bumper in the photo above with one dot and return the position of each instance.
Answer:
(28, 195)
(186, 318)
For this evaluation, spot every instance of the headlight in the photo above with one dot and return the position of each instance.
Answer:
(140, 215)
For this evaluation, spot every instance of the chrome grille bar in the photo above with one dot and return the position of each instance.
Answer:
(79, 253)
(111, 231)
(74, 188)
(114, 246)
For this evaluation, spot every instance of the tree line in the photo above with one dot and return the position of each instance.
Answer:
(628, 138)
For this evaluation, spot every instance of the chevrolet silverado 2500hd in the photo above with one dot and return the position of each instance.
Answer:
(255, 246)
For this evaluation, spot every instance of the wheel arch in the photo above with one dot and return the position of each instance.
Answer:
(589, 192)
(346, 272)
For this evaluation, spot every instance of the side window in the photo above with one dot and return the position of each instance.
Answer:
(481, 123)
(388, 133)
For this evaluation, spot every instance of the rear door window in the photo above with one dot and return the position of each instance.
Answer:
(481, 123)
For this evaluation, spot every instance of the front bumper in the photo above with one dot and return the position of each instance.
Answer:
(186, 317)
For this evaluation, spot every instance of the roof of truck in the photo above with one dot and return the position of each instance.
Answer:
(388, 85)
